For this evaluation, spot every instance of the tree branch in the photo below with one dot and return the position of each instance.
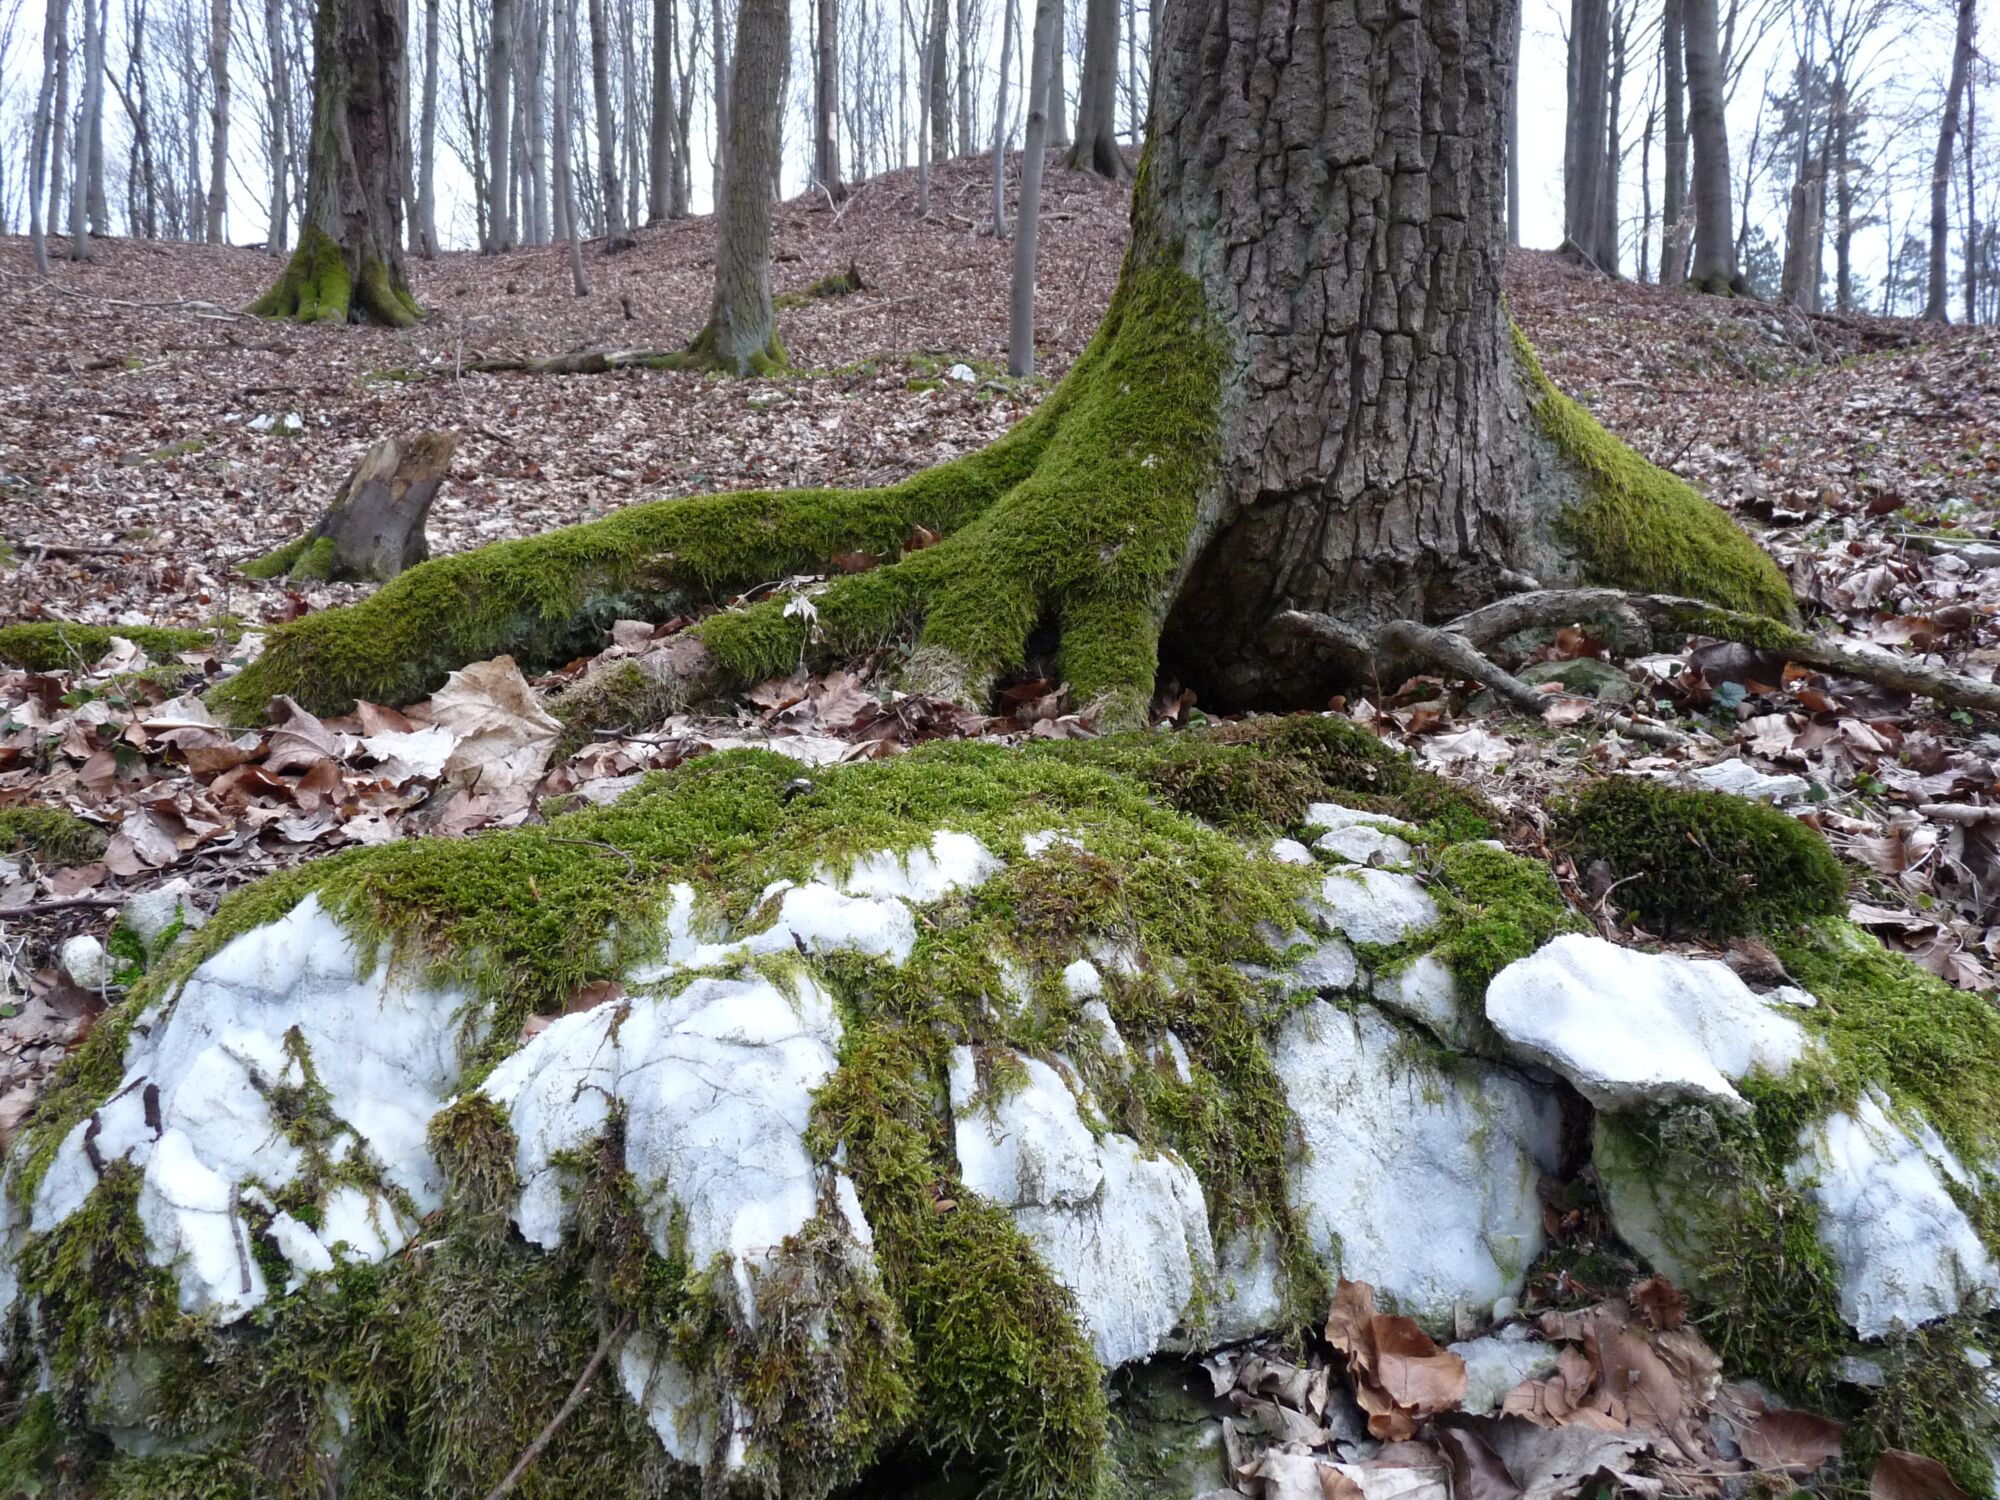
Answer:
(570, 1404)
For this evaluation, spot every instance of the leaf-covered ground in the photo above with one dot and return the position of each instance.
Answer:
(150, 437)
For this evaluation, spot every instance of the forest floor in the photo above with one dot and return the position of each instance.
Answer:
(151, 437)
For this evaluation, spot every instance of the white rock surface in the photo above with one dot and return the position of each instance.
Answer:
(1497, 1363)
(1632, 1029)
(1330, 966)
(1374, 906)
(150, 914)
(1363, 845)
(1420, 1183)
(1423, 990)
(383, 1047)
(1740, 778)
(1291, 852)
(1905, 1251)
(716, 1083)
(953, 862)
(1127, 1233)
(85, 961)
(1331, 816)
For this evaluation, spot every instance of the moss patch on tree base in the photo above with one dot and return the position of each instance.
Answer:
(1642, 528)
(317, 286)
(305, 558)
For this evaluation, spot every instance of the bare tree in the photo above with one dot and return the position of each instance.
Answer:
(1675, 226)
(660, 168)
(1096, 145)
(1714, 244)
(427, 137)
(1584, 130)
(1513, 136)
(55, 27)
(349, 263)
(1010, 20)
(278, 111)
(1937, 298)
(826, 98)
(500, 127)
(1021, 309)
(742, 331)
(218, 147)
(90, 97)
(563, 112)
(607, 144)
(1058, 89)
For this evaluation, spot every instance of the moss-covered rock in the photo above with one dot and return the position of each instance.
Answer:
(53, 835)
(1699, 863)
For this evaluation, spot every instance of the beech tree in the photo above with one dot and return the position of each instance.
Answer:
(1096, 146)
(1714, 242)
(1285, 459)
(349, 263)
(1938, 297)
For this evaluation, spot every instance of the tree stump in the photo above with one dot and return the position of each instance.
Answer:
(374, 528)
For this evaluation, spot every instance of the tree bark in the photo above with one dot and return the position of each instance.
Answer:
(1096, 146)
(1674, 226)
(349, 263)
(1714, 241)
(1608, 212)
(940, 80)
(563, 114)
(90, 97)
(1513, 143)
(1058, 89)
(55, 26)
(826, 99)
(1584, 133)
(742, 331)
(374, 527)
(1010, 17)
(1969, 156)
(1937, 299)
(720, 44)
(500, 127)
(281, 115)
(660, 168)
(427, 235)
(218, 148)
(607, 142)
(1027, 229)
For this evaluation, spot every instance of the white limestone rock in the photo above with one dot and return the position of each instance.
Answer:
(1331, 817)
(1124, 1231)
(1374, 906)
(953, 862)
(1362, 844)
(193, 1112)
(1497, 1363)
(151, 915)
(1291, 852)
(1632, 1029)
(1329, 967)
(1423, 991)
(1905, 1251)
(1420, 1182)
(716, 1083)
(83, 958)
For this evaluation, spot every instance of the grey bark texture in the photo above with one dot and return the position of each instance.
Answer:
(826, 97)
(607, 140)
(281, 115)
(377, 517)
(563, 111)
(1010, 18)
(218, 140)
(1675, 228)
(742, 333)
(940, 79)
(500, 126)
(90, 97)
(55, 25)
(1375, 458)
(1937, 298)
(1513, 145)
(720, 43)
(1058, 88)
(1095, 148)
(660, 166)
(1027, 228)
(1714, 241)
(1584, 130)
(427, 236)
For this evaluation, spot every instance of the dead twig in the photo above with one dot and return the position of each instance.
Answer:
(570, 1404)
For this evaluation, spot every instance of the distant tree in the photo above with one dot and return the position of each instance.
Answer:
(1042, 47)
(55, 27)
(500, 127)
(218, 76)
(607, 137)
(826, 97)
(349, 263)
(1763, 265)
(1096, 146)
(1714, 241)
(1937, 300)
(1584, 136)
(562, 113)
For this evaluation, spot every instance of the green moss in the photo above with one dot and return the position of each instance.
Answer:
(1934, 1401)
(1642, 528)
(53, 835)
(214, 1475)
(278, 563)
(1495, 907)
(1701, 863)
(58, 645)
(314, 286)
(1077, 516)
(620, 696)
(383, 298)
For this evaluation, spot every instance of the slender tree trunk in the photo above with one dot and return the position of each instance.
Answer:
(742, 331)
(1585, 133)
(427, 236)
(660, 168)
(628, 86)
(100, 210)
(1027, 230)
(59, 148)
(564, 114)
(1937, 299)
(1606, 252)
(534, 105)
(1513, 140)
(925, 83)
(1714, 240)
(55, 24)
(1674, 225)
(218, 139)
(1968, 156)
(940, 84)
(349, 263)
(1009, 23)
(90, 98)
(720, 43)
(962, 82)
(1645, 237)
(1058, 105)
(1096, 145)
(607, 144)
(279, 131)
(500, 127)
(826, 99)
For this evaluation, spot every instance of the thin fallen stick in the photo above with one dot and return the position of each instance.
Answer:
(570, 1404)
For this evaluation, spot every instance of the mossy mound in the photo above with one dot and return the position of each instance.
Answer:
(56, 645)
(1642, 528)
(1699, 863)
(53, 835)
(427, 1373)
(305, 558)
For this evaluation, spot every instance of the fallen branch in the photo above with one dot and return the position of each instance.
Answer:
(570, 1404)
(584, 362)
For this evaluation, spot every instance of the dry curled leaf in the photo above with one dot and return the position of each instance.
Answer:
(1902, 1475)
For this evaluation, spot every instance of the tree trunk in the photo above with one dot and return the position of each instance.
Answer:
(742, 331)
(720, 43)
(924, 86)
(940, 79)
(1096, 145)
(1969, 155)
(1674, 226)
(1058, 89)
(962, 79)
(534, 105)
(427, 235)
(1513, 141)
(1585, 129)
(349, 263)
(1010, 17)
(607, 142)
(281, 108)
(100, 210)
(500, 127)
(55, 25)
(826, 99)
(564, 113)
(89, 96)
(374, 527)
(1606, 249)
(1937, 299)
(1027, 230)
(1714, 241)
(218, 138)
(1269, 421)
(660, 167)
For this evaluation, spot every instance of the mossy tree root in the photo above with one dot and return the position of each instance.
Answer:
(318, 286)
(1076, 518)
